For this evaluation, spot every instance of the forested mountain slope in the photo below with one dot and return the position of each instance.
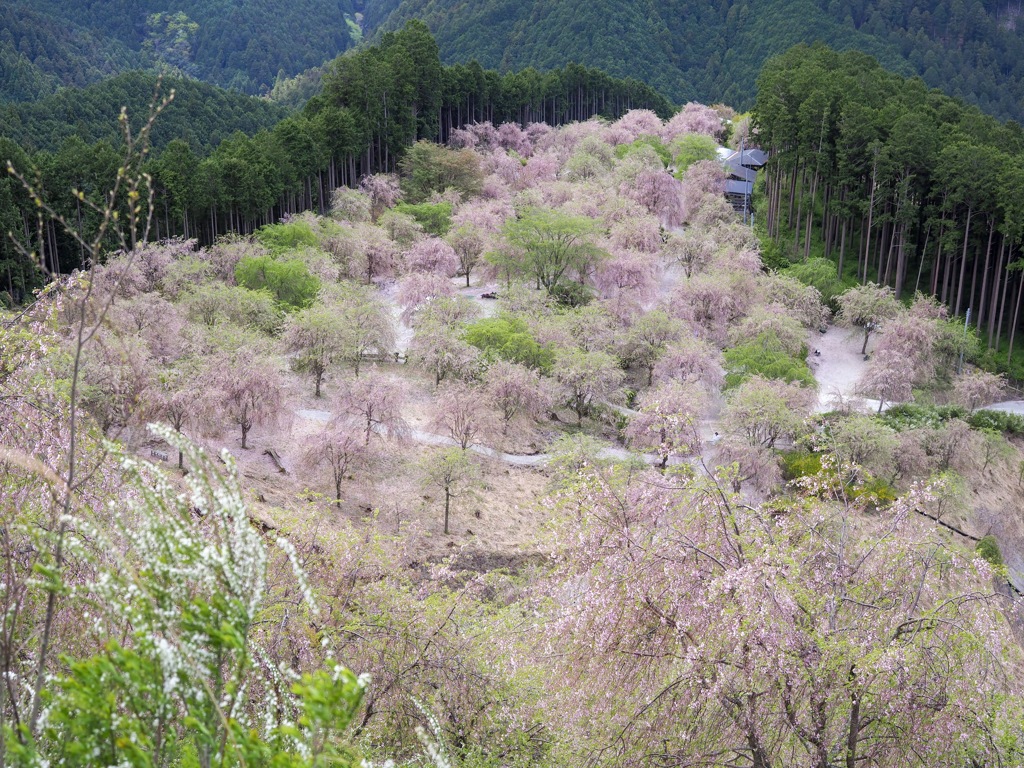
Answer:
(202, 114)
(224, 162)
(712, 52)
(896, 184)
(239, 44)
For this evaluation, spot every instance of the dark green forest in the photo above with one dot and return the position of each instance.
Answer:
(709, 52)
(896, 183)
(713, 52)
(224, 162)
(202, 114)
(244, 45)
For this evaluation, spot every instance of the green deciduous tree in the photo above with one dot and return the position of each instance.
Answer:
(586, 377)
(866, 307)
(554, 246)
(288, 280)
(428, 168)
(453, 472)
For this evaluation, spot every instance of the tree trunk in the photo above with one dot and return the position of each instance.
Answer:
(447, 507)
(963, 264)
(1002, 301)
(871, 213)
(842, 249)
(1016, 314)
(993, 307)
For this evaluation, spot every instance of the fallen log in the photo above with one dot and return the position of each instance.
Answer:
(276, 458)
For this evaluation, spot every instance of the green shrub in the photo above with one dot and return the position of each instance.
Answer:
(646, 141)
(821, 273)
(288, 281)
(797, 464)
(997, 421)
(773, 255)
(280, 238)
(691, 148)
(435, 218)
(763, 358)
(571, 294)
(913, 416)
(630, 395)
(876, 491)
(988, 550)
(427, 168)
(509, 338)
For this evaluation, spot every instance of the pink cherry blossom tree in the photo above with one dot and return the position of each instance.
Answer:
(383, 190)
(441, 350)
(592, 328)
(708, 304)
(353, 323)
(158, 322)
(116, 372)
(745, 463)
(763, 411)
(461, 412)
(340, 447)
(514, 139)
(691, 360)
(774, 321)
(516, 391)
(350, 205)
(469, 243)
(375, 404)
(248, 391)
(541, 168)
(867, 307)
(703, 187)
(179, 398)
(660, 193)
(401, 228)
(418, 289)
(887, 378)
(669, 421)
(537, 131)
(639, 122)
(432, 255)
(693, 118)
(827, 643)
(586, 377)
(977, 388)
(692, 250)
(802, 301)
(627, 281)
(636, 233)
(224, 255)
(649, 337)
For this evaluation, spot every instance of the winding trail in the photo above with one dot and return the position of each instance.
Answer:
(1007, 406)
(609, 453)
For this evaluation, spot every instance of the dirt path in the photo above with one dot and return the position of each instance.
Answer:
(518, 459)
(1009, 406)
(837, 366)
(404, 332)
